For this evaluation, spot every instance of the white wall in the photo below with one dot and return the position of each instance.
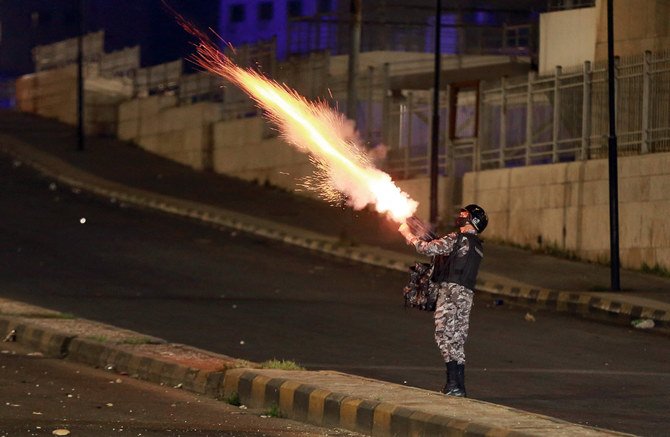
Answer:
(567, 38)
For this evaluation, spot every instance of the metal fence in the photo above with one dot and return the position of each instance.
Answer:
(121, 63)
(410, 126)
(331, 32)
(564, 117)
(62, 53)
(562, 5)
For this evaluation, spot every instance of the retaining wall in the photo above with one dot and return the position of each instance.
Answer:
(180, 133)
(566, 207)
(245, 148)
(53, 94)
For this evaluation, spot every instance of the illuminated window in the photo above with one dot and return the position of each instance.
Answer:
(265, 11)
(237, 13)
(295, 8)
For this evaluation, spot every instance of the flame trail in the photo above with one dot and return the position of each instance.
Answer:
(316, 129)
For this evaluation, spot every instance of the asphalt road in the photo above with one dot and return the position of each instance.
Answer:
(257, 300)
(42, 395)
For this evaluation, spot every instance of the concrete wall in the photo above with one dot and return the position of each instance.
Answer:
(340, 63)
(419, 190)
(566, 206)
(180, 133)
(242, 150)
(639, 25)
(53, 94)
(571, 37)
(567, 38)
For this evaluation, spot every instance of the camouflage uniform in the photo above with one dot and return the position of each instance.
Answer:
(454, 301)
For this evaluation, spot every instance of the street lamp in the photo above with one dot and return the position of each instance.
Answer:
(435, 134)
(613, 158)
(80, 76)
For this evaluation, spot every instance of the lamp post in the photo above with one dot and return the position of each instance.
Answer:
(354, 50)
(612, 143)
(80, 77)
(435, 131)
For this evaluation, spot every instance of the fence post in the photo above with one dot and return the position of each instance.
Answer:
(529, 115)
(503, 123)
(646, 100)
(368, 122)
(478, 132)
(431, 98)
(386, 102)
(586, 111)
(557, 113)
(448, 145)
(409, 112)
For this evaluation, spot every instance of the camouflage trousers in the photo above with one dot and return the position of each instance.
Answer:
(452, 320)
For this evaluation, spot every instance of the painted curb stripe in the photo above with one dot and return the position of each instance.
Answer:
(348, 412)
(317, 401)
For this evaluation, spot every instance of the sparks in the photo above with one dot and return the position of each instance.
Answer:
(316, 129)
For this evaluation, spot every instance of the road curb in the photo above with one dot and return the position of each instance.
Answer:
(584, 304)
(315, 405)
(411, 412)
(52, 343)
(144, 367)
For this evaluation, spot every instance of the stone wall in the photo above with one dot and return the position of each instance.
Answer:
(566, 207)
(639, 25)
(53, 94)
(180, 133)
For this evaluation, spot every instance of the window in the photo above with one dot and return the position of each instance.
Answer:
(237, 13)
(325, 6)
(295, 8)
(265, 11)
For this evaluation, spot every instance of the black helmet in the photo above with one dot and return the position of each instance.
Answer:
(476, 217)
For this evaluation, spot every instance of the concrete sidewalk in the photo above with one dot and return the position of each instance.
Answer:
(127, 174)
(324, 398)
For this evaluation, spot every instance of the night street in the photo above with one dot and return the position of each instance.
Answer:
(257, 300)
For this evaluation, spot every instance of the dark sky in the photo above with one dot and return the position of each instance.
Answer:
(26, 23)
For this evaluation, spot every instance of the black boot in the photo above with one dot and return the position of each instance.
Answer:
(460, 379)
(451, 388)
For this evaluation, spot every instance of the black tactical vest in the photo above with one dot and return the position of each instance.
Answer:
(460, 270)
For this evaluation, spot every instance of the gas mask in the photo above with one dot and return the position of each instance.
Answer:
(462, 219)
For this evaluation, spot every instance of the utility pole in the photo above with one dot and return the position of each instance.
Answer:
(613, 158)
(354, 50)
(435, 136)
(80, 77)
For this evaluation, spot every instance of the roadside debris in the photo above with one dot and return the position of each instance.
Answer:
(11, 337)
(529, 317)
(498, 302)
(60, 432)
(643, 323)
